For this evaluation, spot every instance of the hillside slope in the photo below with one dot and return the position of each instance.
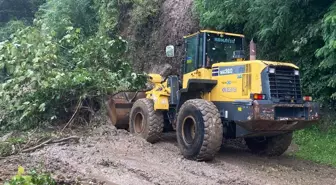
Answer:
(174, 20)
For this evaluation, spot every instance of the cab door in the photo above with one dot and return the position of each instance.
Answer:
(191, 60)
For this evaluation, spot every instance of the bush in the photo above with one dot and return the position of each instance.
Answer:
(136, 14)
(9, 28)
(33, 178)
(47, 77)
(69, 58)
(55, 16)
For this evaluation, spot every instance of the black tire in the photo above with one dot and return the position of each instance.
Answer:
(145, 122)
(199, 130)
(270, 146)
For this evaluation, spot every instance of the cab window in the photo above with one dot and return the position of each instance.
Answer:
(220, 48)
(195, 53)
(191, 59)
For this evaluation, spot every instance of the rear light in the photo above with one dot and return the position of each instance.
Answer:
(259, 97)
(307, 98)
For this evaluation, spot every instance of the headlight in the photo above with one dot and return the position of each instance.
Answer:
(271, 70)
(296, 72)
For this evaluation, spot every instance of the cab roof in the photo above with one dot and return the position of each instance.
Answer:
(215, 32)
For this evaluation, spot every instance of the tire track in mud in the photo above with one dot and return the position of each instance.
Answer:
(280, 170)
(143, 164)
(116, 157)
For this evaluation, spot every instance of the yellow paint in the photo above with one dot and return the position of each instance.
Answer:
(155, 78)
(160, 93)
(215, 32)
(280, 63)
(191, 35)
(240, 109)
(201, 73)
(222, 33)
(250, 81)
(229, 87)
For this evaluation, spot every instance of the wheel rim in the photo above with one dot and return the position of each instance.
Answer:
(189, 129)
(138, 123)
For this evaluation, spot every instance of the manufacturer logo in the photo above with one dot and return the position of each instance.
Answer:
(231, 70)
(226, 71)
(225, 40)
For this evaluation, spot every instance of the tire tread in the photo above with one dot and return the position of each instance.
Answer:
(213, 128)
(155, 119)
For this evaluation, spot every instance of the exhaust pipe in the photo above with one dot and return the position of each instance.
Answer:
(253, 50)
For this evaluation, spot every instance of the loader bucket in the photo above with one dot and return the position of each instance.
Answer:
(119, 107)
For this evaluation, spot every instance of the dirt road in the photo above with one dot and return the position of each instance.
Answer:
(108, 156)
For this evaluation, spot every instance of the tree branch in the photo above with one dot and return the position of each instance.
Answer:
(80, 102)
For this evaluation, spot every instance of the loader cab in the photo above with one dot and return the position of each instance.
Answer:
(205, 48)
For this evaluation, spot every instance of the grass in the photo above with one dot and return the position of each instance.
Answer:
(316, 145)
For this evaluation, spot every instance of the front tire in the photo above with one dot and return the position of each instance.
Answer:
(270, 146)
(199, 130)
(145, 122)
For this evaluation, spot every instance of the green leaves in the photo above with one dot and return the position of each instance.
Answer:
(50, 65)
(328, 52)
(33, 178)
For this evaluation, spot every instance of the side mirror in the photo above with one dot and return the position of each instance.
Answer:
(170, 51)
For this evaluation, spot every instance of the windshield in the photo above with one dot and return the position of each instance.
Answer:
(220, 48)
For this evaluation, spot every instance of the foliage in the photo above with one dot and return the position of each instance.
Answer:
(9, 28)
(5, 149)
(15, 15)
(328, 52)
(52, 66)
(143, 11)
(136, 14)
(56, 16)
(11, 146)
(109, 13)
(18, 9)
(316, 145)
(285, 31)
(47, 76)
(33, 178)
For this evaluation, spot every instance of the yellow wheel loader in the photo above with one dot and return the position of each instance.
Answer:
(219, 96)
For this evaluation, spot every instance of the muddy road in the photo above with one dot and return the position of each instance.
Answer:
(109, 156)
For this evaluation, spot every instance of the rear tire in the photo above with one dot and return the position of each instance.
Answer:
(199, 130)
(145, 122)
(270, 146)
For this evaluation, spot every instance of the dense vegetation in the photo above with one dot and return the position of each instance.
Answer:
(70, 56)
